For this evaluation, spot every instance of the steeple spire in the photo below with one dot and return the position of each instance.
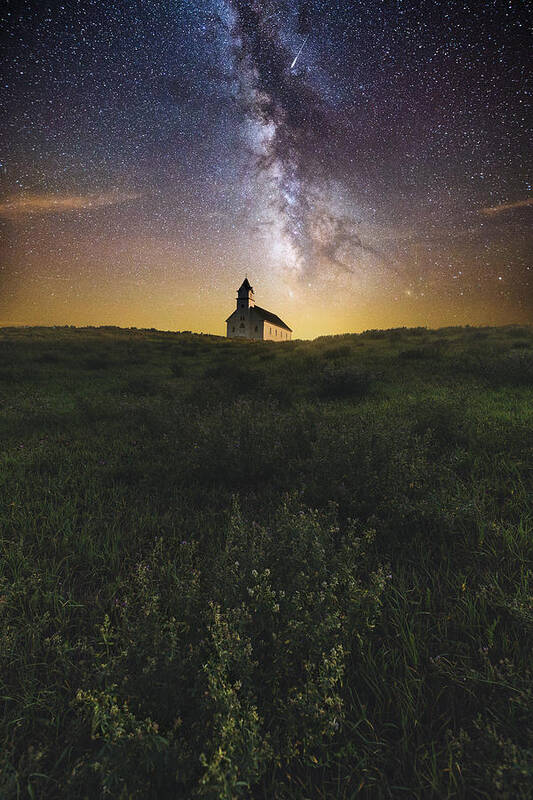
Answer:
(245, 295)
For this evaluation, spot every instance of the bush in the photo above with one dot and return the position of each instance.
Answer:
(235, 377)
(417, 353)
(427, 350)
(96, 362)
(47, 358)
(142, 385)
(396, 335)
(375, 334)
(273, 621)
(515, 368)
(340, 351)
(445, 421)
(519, 332)
(344, 381)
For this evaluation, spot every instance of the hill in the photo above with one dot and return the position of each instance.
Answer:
(237, 569)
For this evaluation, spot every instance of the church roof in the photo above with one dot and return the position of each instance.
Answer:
(273, 318)
(245, 285)
(266, 315)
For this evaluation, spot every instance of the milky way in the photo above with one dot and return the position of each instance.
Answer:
(367, 164)
(297, 142)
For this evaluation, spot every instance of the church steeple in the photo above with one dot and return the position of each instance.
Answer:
(245, 295)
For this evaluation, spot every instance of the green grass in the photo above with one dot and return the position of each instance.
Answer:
(235, 569)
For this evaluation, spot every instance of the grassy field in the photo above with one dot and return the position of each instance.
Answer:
(235, 569)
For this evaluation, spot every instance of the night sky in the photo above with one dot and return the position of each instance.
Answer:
(365, 164)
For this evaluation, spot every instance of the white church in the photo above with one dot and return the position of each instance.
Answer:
(249, 321)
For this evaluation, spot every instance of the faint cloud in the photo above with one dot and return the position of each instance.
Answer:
(492, 210)
(22, 204)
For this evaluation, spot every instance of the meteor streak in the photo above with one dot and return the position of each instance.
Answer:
(299, 52)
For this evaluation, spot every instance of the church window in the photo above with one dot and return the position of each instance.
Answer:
(241, 325)
(256, 328)
(233, 329)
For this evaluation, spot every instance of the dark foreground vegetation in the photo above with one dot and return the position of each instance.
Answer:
(257, 570)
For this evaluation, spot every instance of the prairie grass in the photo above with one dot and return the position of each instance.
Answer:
(236, 569)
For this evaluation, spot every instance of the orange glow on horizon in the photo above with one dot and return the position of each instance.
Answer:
(181, 305)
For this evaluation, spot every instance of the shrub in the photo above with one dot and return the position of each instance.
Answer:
(271, 624)
(8, 375)
(344, 381)
(375, 334)
(241, 444)
(417, 353)
(519, 332)
(266, 355)
(444, 420)
(191, 349)
(396, 335)
(340, 351)
(235, 377)
(47, 358)
(515, 368)
(142, 385)
(96, 362)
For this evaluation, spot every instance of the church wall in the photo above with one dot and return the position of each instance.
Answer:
(273, 333)
(243, 324)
